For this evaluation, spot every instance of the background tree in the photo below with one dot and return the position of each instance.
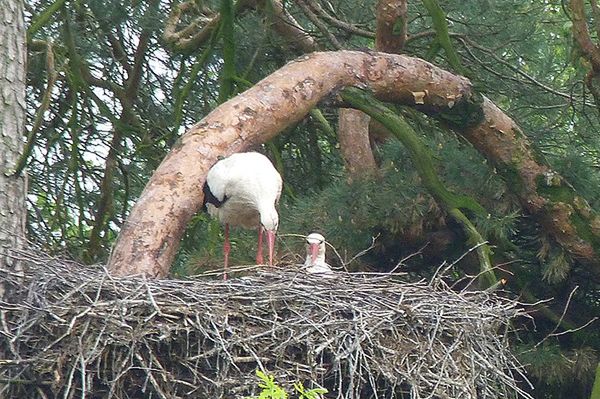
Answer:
(113, 85)
(12, 125)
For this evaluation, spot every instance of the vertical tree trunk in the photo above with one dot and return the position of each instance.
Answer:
(12, 125)
(355, 133)
(392, 25)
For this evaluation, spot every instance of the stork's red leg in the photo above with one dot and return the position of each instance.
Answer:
(226, 249)
(259, 254)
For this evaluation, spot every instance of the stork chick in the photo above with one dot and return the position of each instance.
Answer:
(315, 255)
(243, 190)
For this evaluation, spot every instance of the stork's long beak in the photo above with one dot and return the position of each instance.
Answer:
(314, 250)
(271, 244)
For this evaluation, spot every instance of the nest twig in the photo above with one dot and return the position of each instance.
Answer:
(74, 331)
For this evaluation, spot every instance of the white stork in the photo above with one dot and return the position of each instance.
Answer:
(242, 190)
(315, 255)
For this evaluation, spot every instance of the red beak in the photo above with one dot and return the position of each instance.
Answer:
(271, 244)
(314, 250)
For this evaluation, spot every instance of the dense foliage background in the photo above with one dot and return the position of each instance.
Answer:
(110, 91)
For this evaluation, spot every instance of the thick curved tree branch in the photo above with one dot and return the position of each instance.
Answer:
(149, 239)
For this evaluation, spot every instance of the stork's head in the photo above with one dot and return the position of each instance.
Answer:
(315, 248)
(269, 219)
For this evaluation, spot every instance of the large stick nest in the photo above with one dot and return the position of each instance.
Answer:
(75, 331)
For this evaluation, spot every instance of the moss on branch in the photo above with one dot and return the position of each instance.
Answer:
(440, 25)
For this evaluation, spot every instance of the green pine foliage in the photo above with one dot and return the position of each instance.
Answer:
(550, 366)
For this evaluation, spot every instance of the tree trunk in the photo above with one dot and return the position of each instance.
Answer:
(355, 146)
(354, 132)
(392, 25)
(589, 49)
(12, 125)
(150, 237)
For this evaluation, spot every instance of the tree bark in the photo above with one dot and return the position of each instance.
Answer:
(392, 25)
(149, 239)
(540, 190)
(13, 186)
(590, 50)
(12, 127)
(355, 146)
(354, 131)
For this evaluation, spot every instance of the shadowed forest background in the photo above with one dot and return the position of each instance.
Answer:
(112, 85)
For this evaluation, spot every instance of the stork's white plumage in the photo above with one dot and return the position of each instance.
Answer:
(242, 190)
(315, 255)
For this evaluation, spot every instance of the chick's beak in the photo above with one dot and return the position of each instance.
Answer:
(314, 250)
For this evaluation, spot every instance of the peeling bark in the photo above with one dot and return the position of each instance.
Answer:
(150, 237)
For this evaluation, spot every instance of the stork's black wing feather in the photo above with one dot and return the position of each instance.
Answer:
(209, 198)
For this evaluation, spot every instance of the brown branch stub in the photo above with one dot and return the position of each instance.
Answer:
(392, 25)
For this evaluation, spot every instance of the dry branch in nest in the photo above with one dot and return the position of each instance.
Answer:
(75, 331)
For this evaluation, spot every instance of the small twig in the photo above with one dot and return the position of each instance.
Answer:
(562, 316)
